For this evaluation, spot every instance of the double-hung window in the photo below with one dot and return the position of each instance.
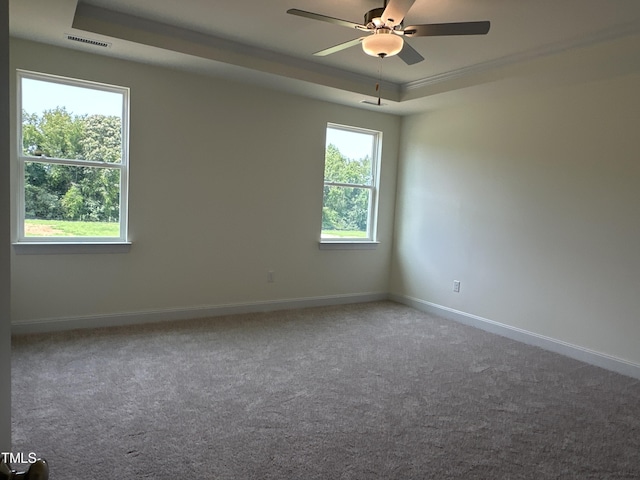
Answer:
(350, 199)
(72, 160)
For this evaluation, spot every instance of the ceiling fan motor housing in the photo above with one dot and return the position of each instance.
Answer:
(371, 14)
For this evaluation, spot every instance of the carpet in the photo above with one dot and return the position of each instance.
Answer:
(367, 391)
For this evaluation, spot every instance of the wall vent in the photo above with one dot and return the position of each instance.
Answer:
(89, 41)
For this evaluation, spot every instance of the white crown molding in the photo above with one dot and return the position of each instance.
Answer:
(113, 24)
(608, 34)
(142, 31)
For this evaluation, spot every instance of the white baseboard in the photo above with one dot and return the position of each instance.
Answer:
(586, 355)
(43, 325)
(576, 352)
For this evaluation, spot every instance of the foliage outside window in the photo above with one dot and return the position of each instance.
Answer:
(72, 155)
(350, 184)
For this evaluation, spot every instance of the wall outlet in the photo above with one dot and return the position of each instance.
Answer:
(271, 276)
(456, 286)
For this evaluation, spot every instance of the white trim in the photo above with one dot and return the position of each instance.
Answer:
(53, 248)
(71, 162)
(347, 245)
(110, 24)
(374, 187)
(611, 33)
(19, 327)
(608, 362)
(122, 167)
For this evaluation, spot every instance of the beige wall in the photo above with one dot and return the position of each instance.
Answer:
(533, 203)
(530, 201)
(5, 264)
(226, 184)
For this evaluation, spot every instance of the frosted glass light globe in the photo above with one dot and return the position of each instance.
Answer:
(383, 43)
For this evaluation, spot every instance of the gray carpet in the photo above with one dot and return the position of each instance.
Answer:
(370, 391)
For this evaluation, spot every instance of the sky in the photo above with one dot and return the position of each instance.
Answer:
(351, 144)
(38, 96)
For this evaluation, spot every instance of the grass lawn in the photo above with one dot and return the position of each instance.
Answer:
(343, 234)
(65, 228)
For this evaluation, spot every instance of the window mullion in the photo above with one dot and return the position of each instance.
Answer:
(71, 162)
(350, 185)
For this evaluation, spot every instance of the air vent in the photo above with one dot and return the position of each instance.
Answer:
(88, 41)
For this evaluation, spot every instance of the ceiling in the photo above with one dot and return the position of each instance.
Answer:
(530, 42)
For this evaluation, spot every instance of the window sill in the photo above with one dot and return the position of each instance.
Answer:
(62, 248)
(323, 245)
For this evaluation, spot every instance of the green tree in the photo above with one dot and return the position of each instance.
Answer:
(31, 134)
(73, 203)
(57, 191)
(345, 208)
(102, 139)
(56, 134)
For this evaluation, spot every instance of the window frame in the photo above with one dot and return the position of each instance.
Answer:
(374, 187)
(22, 160)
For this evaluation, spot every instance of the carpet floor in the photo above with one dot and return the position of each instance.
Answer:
(367, 391)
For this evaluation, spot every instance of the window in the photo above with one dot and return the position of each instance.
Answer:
(349, 206)
(72, 160)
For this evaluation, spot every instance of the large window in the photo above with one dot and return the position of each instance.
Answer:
(349, 207)
(72, 160)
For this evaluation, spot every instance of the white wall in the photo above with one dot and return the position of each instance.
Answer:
(226, 184)
(533, 203)
(5, 264)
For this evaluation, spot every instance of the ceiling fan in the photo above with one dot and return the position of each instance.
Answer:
(386, 29)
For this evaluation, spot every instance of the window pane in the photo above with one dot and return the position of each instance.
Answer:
(71, 122)
(345, 212)
(63, 200)
(348, 157)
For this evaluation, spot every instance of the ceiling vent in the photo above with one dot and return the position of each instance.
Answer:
(88, 41)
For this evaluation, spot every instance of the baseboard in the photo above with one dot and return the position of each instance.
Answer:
(592, 357)
(20, 327)
(576, 352)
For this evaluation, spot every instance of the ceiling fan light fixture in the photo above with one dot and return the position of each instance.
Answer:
(383, 43)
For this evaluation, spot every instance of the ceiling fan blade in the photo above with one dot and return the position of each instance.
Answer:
(324, 18)
(409, 55)
(442, 29)
(395, 12)
(337, 48)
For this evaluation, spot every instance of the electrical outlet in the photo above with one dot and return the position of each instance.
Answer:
(456, 286)
(271, 276)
